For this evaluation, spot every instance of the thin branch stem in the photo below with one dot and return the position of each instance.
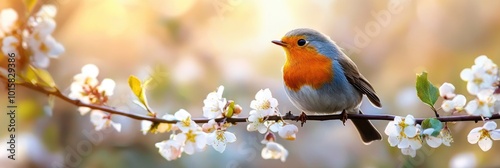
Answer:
(288, 116)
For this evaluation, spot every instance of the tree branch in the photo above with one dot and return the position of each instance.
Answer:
(288, 116)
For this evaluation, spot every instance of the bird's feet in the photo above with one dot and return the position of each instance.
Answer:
(302, 118)
(344, 117)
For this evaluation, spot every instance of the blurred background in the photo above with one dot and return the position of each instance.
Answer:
(193, 46)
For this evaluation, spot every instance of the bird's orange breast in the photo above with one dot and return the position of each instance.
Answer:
(305, 66)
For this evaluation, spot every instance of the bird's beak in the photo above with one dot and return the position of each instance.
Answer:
(280, 43)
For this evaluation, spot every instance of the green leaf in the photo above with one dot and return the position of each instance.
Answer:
(426, 91)
(30, 4)
(432, 123)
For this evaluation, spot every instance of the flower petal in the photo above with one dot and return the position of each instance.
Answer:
(90, 70)
(390, 129)
(490, 125)
(145, 126)
(230, 137)
(472, 88)
(404, 143)
(474, 135)
(428, 131)
(446, 89)
(410, 120)
(117, 126)
(433, 141)
(466, 74)
(410, 131)
(107, 85)
(495, 135)
(219, 146)
(485, 144)
(189, 148)
(471, 107)
(393, 140)
(182, 114)
(460, 100)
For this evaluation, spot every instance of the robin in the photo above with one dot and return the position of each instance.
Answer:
(320, 79)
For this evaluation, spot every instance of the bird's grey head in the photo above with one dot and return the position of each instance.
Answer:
(320, 41)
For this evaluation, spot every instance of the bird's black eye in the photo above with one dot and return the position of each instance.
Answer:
(301, 42)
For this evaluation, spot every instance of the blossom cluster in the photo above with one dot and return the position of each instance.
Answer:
(194, 138)
(89, 90)
(482, 83)
(32, 37)
(408, 136)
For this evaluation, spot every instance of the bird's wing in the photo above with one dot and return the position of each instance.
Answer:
(358, 80)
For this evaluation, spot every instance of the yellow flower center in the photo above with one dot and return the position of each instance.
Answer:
(477, 80)
(190, 136)
(220, 136)
(186, 122)
(44, 48)
(265, 105)
(403, 125)
(484, 134)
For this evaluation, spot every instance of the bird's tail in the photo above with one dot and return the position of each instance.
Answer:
(366, 130)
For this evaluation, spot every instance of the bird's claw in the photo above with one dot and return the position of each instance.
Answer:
(302, 118)
(344, 117)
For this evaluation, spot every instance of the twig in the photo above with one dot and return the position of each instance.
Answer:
(288, 116)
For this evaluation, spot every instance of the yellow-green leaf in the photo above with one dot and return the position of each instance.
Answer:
(45, 77)
(230, 109)
(29, 75)
(136, 86)
(30, 4)
(139, 90)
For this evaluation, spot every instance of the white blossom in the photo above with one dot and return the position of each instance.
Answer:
(8, 19)
(210, 126)
(484, 135)
(40, 41)
(483, 105)
(447, 91)
(214, 104)
(219, 138)
(432, 141)
(456, 104)
(274, 126)
(87, 89)
(265, 102)
(274, 150)
(9, 45)
(185, 123)
(102, 120)
(403, 133)
(193, 140)
(257, 121)
(170, 149)
(288, 132)
(409, 151)
(480, 76)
